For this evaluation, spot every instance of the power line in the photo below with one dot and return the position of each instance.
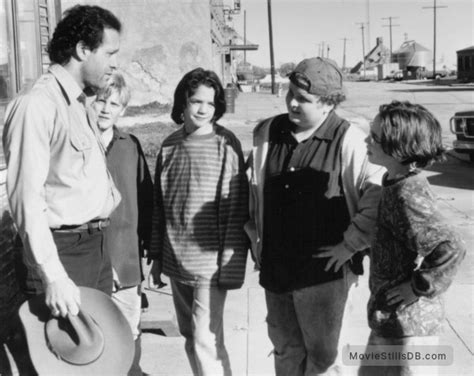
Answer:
(344, 54)
(363, 44)
(270, 33)
(434, 7)
(245, 37)
(390, 25)
(367, 4)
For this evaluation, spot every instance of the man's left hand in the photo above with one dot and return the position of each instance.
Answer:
(338, 256)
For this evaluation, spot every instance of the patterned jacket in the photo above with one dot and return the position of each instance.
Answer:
(413, 243)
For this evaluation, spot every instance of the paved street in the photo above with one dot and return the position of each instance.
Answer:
(245, 330)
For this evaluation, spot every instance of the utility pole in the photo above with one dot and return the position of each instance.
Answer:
(434, 7)
(270, 33)
(344, 54)
(390, 25)
(367, 5)
(245, 37)
(321, 49)
(363, 45)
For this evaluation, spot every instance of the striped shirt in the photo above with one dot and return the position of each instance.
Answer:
(201, 205)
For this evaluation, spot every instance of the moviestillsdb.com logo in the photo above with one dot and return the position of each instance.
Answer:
(398, 355)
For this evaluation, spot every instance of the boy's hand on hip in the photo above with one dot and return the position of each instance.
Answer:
(402, 294)
(63, 297)
(338, 255)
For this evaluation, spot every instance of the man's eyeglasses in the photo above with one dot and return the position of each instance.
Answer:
(300, 80)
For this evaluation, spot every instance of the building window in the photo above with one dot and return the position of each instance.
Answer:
(29, 54)
(467, 63)
(24, 33)
(6, 68)
(460, 63)
(25, 27)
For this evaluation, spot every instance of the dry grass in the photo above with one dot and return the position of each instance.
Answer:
(151, 136)
(152, 108)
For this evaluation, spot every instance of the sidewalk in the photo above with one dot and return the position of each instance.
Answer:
(244, 318)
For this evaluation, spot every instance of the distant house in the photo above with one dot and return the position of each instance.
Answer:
(376, 56)
(412, 58)
(466, 63)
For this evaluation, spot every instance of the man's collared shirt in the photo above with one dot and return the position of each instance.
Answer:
(57, 172)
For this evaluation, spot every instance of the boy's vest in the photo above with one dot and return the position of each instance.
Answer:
(300, 219)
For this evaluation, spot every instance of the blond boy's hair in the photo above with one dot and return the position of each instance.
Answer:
(116, 83)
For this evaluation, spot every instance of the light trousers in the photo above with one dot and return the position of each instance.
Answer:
(128, 300)
(199, 312)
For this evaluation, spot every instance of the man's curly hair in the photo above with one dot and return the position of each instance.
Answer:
(84, 23)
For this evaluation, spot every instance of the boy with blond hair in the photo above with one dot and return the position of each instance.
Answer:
(129, 232)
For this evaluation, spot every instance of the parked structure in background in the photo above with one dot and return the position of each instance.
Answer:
(466, 64)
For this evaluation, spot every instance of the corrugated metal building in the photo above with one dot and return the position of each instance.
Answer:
(466, 64)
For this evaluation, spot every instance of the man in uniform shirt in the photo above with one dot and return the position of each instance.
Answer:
(59, 189)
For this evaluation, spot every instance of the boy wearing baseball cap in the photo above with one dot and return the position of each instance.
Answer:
(313, 206)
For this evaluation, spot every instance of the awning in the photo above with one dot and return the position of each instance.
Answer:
(241, 47)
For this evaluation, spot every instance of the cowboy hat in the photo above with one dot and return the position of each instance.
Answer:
(98, 341)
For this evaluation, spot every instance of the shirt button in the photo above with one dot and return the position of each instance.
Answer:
(287, 186)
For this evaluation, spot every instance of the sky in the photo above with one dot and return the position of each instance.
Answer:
(300, 26)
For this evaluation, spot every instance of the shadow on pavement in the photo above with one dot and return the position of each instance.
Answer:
(453, 173)
(434, 89)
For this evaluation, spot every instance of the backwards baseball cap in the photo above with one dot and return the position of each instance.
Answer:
(319, 76)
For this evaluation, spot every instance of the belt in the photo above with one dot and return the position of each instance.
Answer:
(95, 224)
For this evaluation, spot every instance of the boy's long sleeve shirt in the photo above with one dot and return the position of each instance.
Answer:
(130, 224)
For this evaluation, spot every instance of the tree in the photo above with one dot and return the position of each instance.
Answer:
(286, 69)
(259, 72)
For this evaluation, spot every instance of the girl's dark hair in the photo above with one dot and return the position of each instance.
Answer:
(84, 23)
(188, 86)
(410, 133)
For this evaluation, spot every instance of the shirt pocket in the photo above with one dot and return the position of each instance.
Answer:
(82, 145)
